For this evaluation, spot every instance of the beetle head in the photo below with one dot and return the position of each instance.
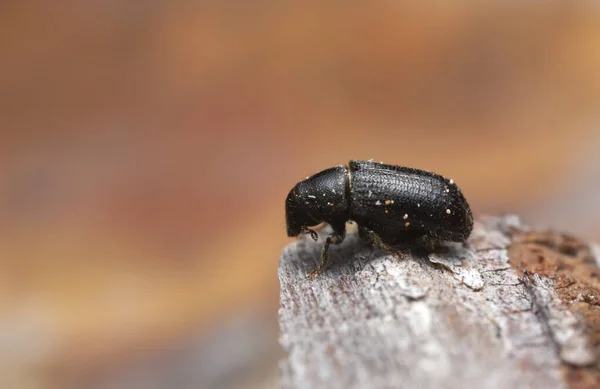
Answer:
(320, 198)
(296, 216)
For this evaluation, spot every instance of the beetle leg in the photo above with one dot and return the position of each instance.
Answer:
(313, 234)
(334, 238)
(375, 240)
(428, 242)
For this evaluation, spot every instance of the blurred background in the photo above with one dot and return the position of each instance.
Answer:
(146, 149)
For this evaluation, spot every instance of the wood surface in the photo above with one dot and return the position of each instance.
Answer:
(512, 308)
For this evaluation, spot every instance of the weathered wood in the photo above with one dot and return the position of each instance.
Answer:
(470, 317)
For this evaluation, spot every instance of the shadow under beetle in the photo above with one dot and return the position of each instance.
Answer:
(390, 204)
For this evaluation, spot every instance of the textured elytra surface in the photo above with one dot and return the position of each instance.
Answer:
(398, 201)
(464, 318)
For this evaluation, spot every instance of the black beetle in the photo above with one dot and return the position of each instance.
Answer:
(391, 205)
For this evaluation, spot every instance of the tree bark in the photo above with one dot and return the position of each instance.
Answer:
(512, 308)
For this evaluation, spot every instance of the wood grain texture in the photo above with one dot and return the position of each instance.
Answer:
(464, 318)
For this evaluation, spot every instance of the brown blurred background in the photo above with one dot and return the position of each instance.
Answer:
(146, 149)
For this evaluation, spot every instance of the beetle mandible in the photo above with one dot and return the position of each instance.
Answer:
(390, 204)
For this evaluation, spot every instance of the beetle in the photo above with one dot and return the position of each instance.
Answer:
(390, 204)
